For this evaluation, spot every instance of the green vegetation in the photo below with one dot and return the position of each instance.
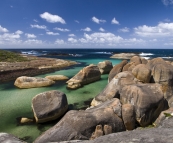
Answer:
(7, 56)
(167, 115)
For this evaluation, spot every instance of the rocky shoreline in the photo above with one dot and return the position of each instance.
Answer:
(32, 67)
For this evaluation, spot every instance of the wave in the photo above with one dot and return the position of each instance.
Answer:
(146, 58)
(167, 57)
(146, 54)
(76, 55)
(30, 52)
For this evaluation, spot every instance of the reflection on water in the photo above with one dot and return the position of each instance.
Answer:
(16, 103)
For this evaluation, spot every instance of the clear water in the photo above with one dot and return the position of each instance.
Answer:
(15, 103)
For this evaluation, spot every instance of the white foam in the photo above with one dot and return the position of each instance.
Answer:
(145, 54)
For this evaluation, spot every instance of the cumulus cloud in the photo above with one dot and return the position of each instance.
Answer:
(125, 30)
(87, 29)
(61, 29)
(39, 26)
(167, 2)
(30, 35)
(19, 32)
(71, 35)
(114, 21)
(33, 41)
(98, 21)
(101, 29)
(161, 30)
(52, 33)
(72, 40)
(52, 18)
(2, 29)
(59, 41)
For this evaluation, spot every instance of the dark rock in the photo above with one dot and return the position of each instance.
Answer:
(49, 106)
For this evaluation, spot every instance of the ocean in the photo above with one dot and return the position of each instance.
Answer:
(16, 103)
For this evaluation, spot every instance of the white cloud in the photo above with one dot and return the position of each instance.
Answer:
(167, 20)
(59, 41)
(71, 35)
(35, 20)
(87, 29)
(39, 26)
(2, 29)
(114, 21)
(19, 32)
(52, 18)
(52, 33)
(101, 29)
(167, 2)
(161, 30)
(72, 40)
(77, 21)
(33, 41)
(125, 30)
(96, 20)
(30, 35)
(61, 29)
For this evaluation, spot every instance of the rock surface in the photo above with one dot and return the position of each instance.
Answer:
(124, 56)
(105, 67)
(87, 75)
(148, 101)
(116, 69)
(136, 60)
(57, 77)
(8, 138)
(81, 124)
(49, 106)
(32, 82)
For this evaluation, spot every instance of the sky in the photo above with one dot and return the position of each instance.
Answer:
(86, 24)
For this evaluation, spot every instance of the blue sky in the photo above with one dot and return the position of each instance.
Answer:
(86, 24)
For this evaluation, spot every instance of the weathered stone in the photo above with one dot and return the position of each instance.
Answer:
(57, 77)
(8, 138)
(116, 69)
(32, 82)
(49, 106)
(81, 124)
(147, 99)
(142, 73)
(144, 61)
(126, 67)
(131, 67)
(112, 88)
(105, 67)
(128, 116)
(164, 115)
(87, 75)
(123, 56)
(136, 60)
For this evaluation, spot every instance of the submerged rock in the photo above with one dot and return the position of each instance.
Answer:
(87, 75)
(49, 106)
(32, 82)
(8, 138)
(81, 124)
(105, 67)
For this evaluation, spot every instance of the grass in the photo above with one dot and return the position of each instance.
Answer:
(7, 56)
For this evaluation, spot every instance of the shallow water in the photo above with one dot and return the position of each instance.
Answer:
(15, 103)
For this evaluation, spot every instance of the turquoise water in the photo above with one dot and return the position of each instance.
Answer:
(15, 103)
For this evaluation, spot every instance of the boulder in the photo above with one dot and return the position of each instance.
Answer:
(128, 116)
(148, 101)
(142, 73)
(8, 138)
(136, 60)
(123, 56)
(81, 124)
(164, 115)
(116, 69)
(144, 61)
(113, 87)
(105, 67)
(32, 82)
(87, 75)
(49, 106)
(57, 77)
(126, 67)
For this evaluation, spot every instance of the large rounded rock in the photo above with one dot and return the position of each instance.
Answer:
(128, 116)
(31, 82)
(127, 66)
(116, 69)
(57, 77)
(113, 87)
(8, 138)
(147, 99)
(142, 73)
(136, 60)
(87, 75)
(105, 67)
(81, 124)
(49, 106)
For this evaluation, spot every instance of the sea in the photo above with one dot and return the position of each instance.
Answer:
(16, 103)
